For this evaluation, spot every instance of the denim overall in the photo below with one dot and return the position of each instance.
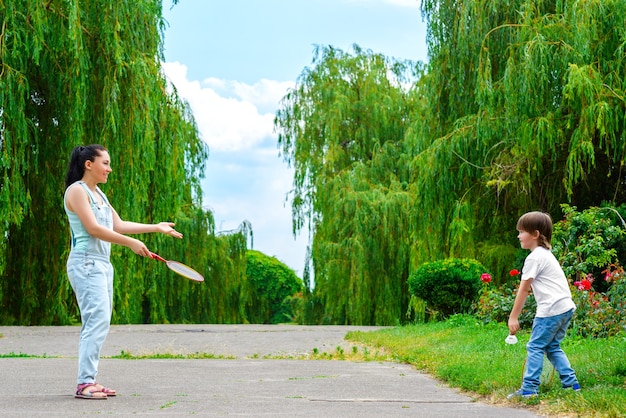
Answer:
(91, 276)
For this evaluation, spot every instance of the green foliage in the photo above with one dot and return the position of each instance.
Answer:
(588, 245)
(449, 286)
(495, 303)
(308, 308)
(588, 242)
(520, 107)
(342, 129)
(73, 73)
(600, 315)
(524, 109)
(273, 286)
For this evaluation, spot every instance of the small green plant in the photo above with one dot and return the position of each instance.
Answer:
(23, 355)
(449, 286)
(168, 404)
(127, 355)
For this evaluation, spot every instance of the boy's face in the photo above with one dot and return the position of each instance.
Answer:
(527, 240)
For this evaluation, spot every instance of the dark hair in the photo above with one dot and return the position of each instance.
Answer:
(537, 221)
(76, 166)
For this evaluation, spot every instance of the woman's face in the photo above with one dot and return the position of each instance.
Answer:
(100, 168)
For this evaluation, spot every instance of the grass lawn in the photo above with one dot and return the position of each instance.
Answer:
(473, 357)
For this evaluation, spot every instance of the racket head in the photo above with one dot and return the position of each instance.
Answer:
(185, 271)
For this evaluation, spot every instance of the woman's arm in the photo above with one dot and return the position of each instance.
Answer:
(127, 227)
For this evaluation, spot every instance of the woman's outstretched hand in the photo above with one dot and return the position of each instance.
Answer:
(167, 228)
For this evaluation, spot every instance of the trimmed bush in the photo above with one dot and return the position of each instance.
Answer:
(272, 287)
(449, 286)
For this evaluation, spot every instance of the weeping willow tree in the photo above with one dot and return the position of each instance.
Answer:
(342, 128)
(525, 111)
(521, 107)
(78, 72)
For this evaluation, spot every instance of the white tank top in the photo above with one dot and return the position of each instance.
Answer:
(81, 240)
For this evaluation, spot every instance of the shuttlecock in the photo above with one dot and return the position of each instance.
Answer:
(511, 339)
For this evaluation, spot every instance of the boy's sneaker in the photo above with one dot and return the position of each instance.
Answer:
(522, 393)
(575, 387)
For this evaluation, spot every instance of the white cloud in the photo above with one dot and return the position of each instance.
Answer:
(264, 94)
(245, 177)
(230, 115)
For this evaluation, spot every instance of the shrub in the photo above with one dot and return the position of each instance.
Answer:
(588, 242)
(588, 245)
(495, 304)
(272, 284)
(449, 286)
(598, 314)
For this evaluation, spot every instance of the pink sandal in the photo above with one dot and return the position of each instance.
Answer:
(108, 391)
(94, 393)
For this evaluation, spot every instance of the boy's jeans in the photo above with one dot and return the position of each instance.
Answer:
(546, 337)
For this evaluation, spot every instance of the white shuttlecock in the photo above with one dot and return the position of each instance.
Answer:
(511, 339)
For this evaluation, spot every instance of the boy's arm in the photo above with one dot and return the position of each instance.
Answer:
(520, 299)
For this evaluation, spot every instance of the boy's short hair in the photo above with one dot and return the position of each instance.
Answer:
(537, 221)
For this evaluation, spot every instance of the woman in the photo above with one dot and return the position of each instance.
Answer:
(94, 225)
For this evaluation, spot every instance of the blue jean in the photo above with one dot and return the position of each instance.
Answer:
(545, 338)
(91, 278)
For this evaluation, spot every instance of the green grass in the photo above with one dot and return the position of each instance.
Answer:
(127, 355)
(473, 357)
(23, 355)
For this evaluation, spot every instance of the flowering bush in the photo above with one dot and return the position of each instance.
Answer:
(585, 243)
(585, 284)
(600, 314)
(597, 314)
(495, 304)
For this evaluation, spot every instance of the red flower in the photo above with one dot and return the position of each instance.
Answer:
(584, 284)
(485, 277)
(514, 272)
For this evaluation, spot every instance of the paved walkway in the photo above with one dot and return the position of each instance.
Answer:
(244, 382)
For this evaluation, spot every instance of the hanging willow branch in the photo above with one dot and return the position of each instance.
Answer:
(76, 72)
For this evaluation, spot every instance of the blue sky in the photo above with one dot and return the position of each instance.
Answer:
(233, 60)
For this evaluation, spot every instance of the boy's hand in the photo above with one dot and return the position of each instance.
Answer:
(513, 326)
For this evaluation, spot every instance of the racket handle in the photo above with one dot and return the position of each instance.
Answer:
(157, 257)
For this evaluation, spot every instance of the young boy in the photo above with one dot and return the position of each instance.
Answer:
(555, 306)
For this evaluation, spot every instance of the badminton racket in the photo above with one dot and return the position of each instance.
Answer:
(180, 268)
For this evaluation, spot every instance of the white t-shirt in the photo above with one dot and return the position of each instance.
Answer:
(550, 287)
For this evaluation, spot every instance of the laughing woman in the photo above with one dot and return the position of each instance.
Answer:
(94, 225)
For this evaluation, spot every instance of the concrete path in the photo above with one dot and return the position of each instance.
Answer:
(244, 381)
